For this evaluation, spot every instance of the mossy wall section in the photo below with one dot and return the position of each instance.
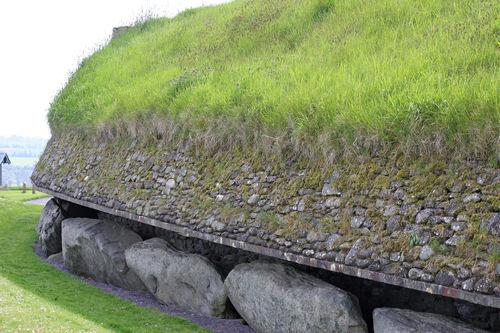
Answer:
(424, 221)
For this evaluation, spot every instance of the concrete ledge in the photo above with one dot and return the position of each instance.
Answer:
(431, 288)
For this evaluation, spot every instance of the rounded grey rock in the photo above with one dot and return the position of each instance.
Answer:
(274, 298)
(97, 248)
(424, 215)
(426, 252)
(254, 198)
(474, 197)
(415, 273)
(393, 320)
(49, 228)
(187, 280)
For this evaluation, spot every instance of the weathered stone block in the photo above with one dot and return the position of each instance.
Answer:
(186, 280)
(97, 248)
(49, 228)
(272, 297)
(393, 320)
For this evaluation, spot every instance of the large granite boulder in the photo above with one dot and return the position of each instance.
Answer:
(97, 248)
(392, 320)
(174, 277)
(49, 228)
(273, 297)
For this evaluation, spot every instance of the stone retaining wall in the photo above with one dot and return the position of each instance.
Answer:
(423, 221)
(371, 294)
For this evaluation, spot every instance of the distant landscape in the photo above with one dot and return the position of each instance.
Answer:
(23, 153)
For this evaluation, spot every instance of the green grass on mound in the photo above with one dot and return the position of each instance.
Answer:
(405, 73)
(36, 297)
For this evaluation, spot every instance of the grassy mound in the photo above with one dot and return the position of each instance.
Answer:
(36, 297)
(348, 74)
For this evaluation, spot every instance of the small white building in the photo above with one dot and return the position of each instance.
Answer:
(4, 159)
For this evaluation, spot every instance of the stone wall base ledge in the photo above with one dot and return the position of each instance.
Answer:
(431, 288)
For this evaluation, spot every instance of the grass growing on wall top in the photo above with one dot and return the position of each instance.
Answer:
(401, 73)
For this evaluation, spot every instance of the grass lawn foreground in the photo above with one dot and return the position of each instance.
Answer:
(36, 297)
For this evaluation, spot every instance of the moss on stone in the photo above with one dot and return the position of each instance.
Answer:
(361, 185)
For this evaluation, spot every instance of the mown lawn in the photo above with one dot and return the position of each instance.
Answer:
(16, 194)
(35, 297)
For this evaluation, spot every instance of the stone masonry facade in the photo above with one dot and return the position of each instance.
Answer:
(428, 221)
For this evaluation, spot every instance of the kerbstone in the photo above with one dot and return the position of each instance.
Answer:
(273, 297)
(393, 320)
(96, 248)
(174, 277)
(49, 228)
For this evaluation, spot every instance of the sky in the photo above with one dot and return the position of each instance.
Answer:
(42, 42)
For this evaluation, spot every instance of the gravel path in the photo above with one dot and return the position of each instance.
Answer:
(42, 201)
(146, 300)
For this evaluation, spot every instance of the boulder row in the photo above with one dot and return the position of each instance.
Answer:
(187, 280)
(273, 297)
(49, 228)
(393, 320)
(97, 248)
